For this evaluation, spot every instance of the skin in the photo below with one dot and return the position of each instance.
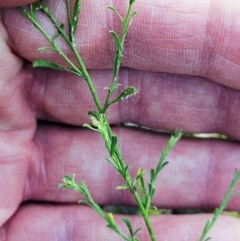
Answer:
(183, 58)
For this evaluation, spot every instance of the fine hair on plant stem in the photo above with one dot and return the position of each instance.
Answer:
(142, 191)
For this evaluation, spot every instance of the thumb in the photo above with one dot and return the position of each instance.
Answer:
(15, 3)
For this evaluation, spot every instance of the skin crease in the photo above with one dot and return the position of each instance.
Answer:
(184, 60)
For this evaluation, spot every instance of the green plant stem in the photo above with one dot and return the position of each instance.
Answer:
(82, 66)
(118, 57)
(68, 14)
(88, 79)
(127, 177)
(82, 71)
(78, 57)
(141, 197)
(223, 205)
(145, 214)
(96, 207)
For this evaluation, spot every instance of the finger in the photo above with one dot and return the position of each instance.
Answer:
(15, 3)
(199, 173)
(165, 37)
(164, 101)
(82, 223)
(12, 89)
(17, 126)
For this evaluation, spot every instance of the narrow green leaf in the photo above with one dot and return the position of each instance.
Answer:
(130, 21)
(35, 7)
(111, 219)
(48, 64)
(206, 225)
(152, 175)
(138, 230)
(139, 176)
(94, 114)
(90, 127)
(33, 11)
(58, 33)
(95, 122)
(129, 226)
(84, 186)
(126, 168)
(115, 87)
(141, 184)
(122, 187)
(85, 202)
(171, 143)
(217, 212)
(125, 94)
(160, 167)
(133, 14)
(116, 12)
(116, 39)
(133, 184)
(42, 49)
(223, 205)
(76, 13)
(111, 227)
(40, 5)
(69, 15)
(113, 145)
(25, 12)
(68, 178)
(63, 186)
(135, 239)
(68, 182)
(151, 192)
(110, 160)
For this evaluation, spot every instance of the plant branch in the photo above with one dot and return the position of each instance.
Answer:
(218, 211)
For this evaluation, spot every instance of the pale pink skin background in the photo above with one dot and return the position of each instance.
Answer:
(184, 58)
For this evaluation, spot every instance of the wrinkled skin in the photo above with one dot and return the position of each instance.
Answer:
(184, 58)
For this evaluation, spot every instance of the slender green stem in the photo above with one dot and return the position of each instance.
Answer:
(127, 177)
(79, 60)
(117, 156)
(145, 215)
(143, 201)
(99, 210)
(88, 79)
(118, 56)
(69, 15)
(223, 205)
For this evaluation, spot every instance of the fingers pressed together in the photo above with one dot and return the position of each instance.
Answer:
(183, 59)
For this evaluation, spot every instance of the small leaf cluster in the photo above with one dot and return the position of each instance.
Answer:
(147, 196)
(73, 17)
(69, 37)
(119, 41)
(101, 125)
(68, 182)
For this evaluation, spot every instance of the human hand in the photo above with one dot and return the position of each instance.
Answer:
(167, 50)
